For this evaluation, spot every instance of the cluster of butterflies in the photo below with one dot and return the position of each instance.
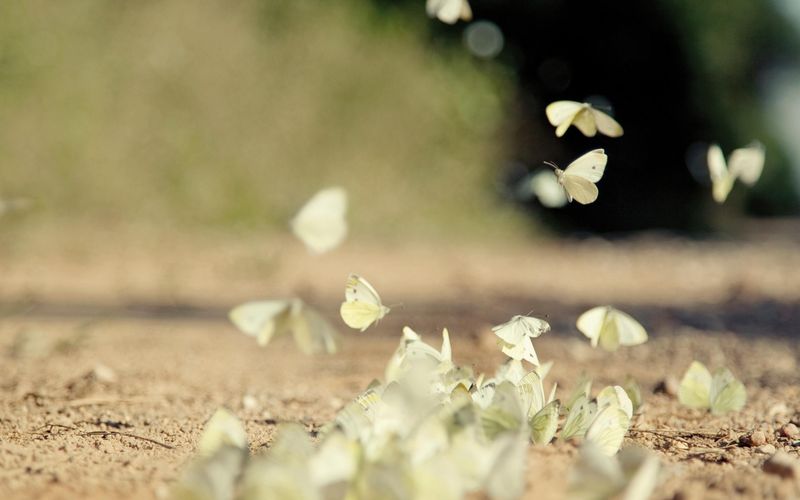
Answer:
(577, 181)
(432, 430)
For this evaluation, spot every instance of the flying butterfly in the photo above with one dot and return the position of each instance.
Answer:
(585, 117)
(744, 163)
(362, 306)
(321, 223)
(449, 11)
(580, 176)
(720, 392)
(611, 328)
(266, 319)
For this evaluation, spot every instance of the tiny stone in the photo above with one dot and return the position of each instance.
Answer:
(756, 438)
(249, 403)
(790, 431)
(767, 449)
(104, 374)
(783, 465)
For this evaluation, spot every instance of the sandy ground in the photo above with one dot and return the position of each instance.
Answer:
(116, 350)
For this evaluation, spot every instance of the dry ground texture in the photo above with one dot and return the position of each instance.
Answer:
(116, 350)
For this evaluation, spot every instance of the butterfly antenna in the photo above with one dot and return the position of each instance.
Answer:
(399, 304)
(551, 164)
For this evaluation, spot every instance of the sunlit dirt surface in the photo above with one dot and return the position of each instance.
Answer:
(153, 312)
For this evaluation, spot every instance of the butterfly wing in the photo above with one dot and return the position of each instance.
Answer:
(695, 388)
(578, 418)
(591, 322)
(585, 122)
(589, 166)
(629, 331)
(608, 429)
(561, 114)
(747, 163)
(321, 223)
(579, 189)
(449, 11)
(362, 305)
(312, 333)
(544, 423)
(727, 393)
(544, 185)
(261, 319)
(605, 124)
(721, 178)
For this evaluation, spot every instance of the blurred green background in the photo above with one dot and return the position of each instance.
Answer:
(193, 114)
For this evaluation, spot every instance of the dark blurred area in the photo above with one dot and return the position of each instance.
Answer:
(678, 74)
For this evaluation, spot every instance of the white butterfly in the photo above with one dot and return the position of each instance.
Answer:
(744, 163)
(608, 429)
(269, 318)
(579, 178)
(222, 429)
(449, 11)
(515, 336)
(631, 475)
(583, 116)
(720, 393)
(321, 223)
(611, 328)
(362, 306)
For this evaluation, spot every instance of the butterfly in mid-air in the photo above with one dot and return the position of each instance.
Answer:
(743, 163)
(362, 305)
(266, 319)
(611, 328)
(449, 11)
(321, 223)
(580, 176)
(585, 117)
(720, 392)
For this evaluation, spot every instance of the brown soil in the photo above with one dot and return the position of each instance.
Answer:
(152, 311)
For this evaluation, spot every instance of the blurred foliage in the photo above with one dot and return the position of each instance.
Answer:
(206, 113)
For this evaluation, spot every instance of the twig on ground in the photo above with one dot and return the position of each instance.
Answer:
(127, 434)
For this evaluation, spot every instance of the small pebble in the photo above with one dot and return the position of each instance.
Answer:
(767, 449)
(754, 439)
(104, 374)
(783, 465)
(790, 431)
(249, 403)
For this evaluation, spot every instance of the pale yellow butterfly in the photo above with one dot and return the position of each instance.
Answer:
(720, 392)
(579, 178)
(269, 318)
(631, 475)
(583, 116)
(744, 163)
(515, 336)
(608, 429)
(449, 11)
(611, 328)
(321, 223)
(362, 306)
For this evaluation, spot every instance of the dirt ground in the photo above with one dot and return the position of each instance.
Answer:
(116, 350)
